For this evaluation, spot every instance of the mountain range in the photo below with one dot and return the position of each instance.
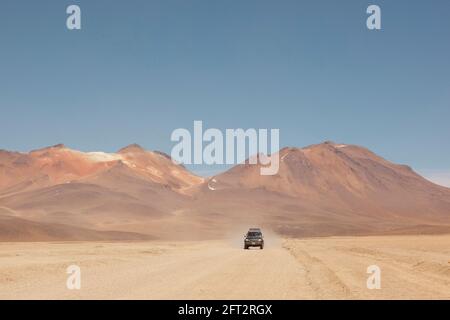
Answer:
(327, 189)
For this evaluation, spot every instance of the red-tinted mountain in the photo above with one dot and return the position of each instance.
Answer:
(321, 190)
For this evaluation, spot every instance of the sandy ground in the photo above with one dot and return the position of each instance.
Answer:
(412, 267)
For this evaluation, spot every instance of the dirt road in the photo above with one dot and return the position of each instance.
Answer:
(290, 269)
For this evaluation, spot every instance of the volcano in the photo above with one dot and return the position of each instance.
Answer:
(320, 190)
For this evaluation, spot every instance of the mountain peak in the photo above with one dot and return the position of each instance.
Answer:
(163, 154)
(132, 148)
(330, 145)
(58, 146)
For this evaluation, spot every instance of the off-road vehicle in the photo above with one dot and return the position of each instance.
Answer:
(254, 238)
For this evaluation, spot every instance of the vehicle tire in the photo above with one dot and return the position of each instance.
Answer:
(261, 247)
(245, 248)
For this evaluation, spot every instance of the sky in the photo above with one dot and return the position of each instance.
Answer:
(139, 69)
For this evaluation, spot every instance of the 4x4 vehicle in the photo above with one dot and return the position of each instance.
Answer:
(254, 238)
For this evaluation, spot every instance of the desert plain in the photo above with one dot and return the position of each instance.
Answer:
(412, 267)
(140, 226)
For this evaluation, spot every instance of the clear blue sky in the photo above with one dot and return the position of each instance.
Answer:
(139, 69)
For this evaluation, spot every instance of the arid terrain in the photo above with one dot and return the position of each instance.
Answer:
(329, 189)
(141, 226)
(412, 267)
